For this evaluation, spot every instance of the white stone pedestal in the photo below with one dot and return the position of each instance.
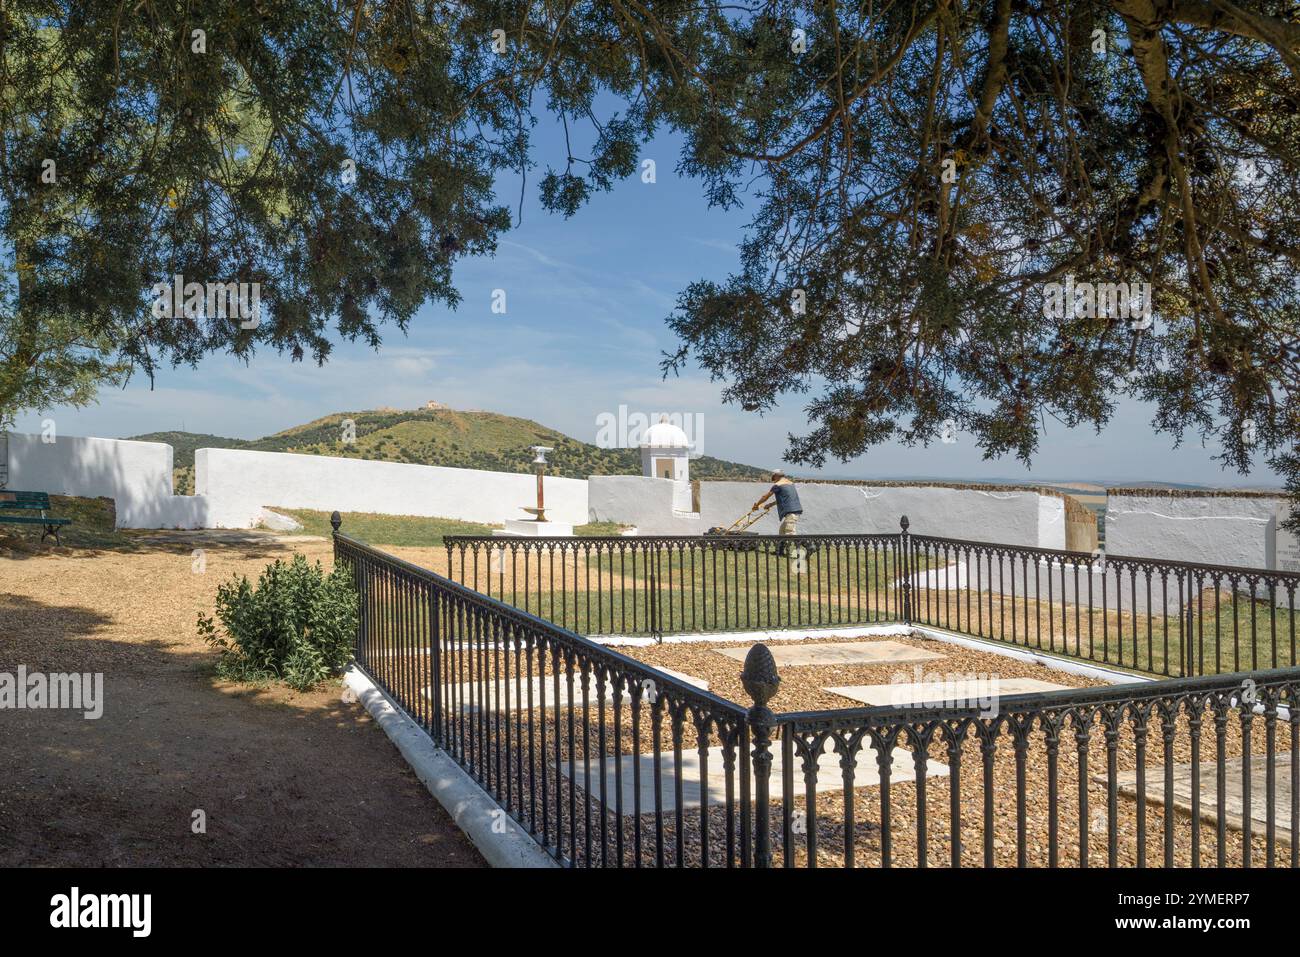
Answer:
(530, 528)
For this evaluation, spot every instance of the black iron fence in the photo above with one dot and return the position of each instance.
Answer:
(1181, 773)
(1174, 619)
(655, 585)
(567, 736)
(609, 762)
(1161, 617)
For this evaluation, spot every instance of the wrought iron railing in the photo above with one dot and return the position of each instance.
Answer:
(548, 723)
(609, 762)
(655, 585)
(1152, 615)
(1183, 773)
(1174, 619)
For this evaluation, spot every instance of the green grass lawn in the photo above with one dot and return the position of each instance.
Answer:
(595, 589)
(1252, 634)
(598, 529)
(685, 611)
(412, 531)
(1227, 636)
(603, 590)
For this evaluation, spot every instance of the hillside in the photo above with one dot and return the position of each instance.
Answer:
(477, 440)
(184, 444)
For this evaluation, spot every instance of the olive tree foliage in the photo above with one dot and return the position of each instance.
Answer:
(928, 170)
(341, 155)
(921, 173)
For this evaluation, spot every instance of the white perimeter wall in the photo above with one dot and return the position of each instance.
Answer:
(1012, 517)
(1214, 529)
(237, 483)
(233, 486)
(136, 475)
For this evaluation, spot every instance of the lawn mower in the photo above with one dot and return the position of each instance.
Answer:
(737, 529)
(739, 525)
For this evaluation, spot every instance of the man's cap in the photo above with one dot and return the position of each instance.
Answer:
(778, 473)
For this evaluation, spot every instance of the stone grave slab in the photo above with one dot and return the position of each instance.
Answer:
(942, 692)
(1209, 808)
(471, 697)
(841, 653)
(829, 776)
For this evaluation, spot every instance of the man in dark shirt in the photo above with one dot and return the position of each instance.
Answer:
(788, 508)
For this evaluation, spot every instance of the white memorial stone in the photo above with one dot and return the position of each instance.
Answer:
(529, 528)
(958, 693)
(1234, 792)
(830, 777)
(471, 697)
(841, 653)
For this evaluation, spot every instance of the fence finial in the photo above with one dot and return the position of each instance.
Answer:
(761, 680)
(903, 523)
(760, 676)
(335, 521)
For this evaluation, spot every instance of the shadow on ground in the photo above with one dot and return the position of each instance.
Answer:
(276, 778)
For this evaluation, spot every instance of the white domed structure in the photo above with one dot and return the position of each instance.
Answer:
(664, 435)
(666, 454)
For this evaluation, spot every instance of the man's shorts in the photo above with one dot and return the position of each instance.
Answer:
(788, 524)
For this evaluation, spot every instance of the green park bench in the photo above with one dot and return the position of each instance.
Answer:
(11, 502)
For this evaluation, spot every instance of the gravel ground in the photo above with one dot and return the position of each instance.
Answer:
(283, 778)
(802, 686)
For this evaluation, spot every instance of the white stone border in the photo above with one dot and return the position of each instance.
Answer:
(1069, 666)
(469, 805)
(1096, 672)
(775, 634)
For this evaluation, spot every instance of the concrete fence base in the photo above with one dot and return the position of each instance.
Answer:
(498, 837)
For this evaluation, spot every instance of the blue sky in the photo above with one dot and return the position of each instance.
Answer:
(583, 333)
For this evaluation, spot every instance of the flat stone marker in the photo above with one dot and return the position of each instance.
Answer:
(841, 653)
(934, 693)
(1155, 787)
(470, 697)
(829, 776)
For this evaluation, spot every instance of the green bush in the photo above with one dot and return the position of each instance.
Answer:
(298, 625)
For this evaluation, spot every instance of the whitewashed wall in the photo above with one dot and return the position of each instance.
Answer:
(1214, 529)
(634, 499)
(233, 486)
(1012, 516)
(1051, 521)
(136, 475)
(1016, 517)
(237, 482)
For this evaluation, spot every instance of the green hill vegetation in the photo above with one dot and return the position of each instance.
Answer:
(471, 440)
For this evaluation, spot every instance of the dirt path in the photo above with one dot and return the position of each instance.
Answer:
(282, 778)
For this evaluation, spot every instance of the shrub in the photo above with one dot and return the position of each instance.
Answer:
(297, 625)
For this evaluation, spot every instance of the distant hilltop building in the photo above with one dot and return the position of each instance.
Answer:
(431, 405)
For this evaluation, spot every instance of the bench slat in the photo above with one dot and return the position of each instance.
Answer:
(32, 520)
(11, 499)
